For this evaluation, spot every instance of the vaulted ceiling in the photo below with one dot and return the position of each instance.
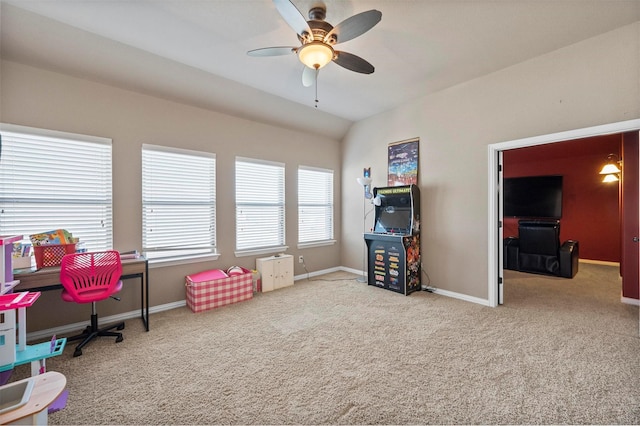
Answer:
(194, 51)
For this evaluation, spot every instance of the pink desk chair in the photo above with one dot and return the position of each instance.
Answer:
(89, 278)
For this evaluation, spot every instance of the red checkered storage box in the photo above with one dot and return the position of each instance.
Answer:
(211, 289)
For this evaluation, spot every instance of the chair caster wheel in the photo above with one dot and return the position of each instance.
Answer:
(121, 327)
(77, 352)
(119, 339)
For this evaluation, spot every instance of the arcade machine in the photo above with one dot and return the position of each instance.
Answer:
(393, 248)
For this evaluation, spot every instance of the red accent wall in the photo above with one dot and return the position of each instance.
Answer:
(590, 208)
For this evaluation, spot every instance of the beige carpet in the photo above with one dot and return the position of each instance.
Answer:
(336, 351)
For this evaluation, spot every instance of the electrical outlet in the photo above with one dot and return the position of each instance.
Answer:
(300, 259)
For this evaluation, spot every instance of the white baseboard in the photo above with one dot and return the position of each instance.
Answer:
(630, 301)
(599, 262)
(328, 271)
(353, 271)
(70, 328)
(461, 296)
(316, 273)
(75, 327)
(446, 293)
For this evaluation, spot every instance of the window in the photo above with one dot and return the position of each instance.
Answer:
(53, 180)
(178, 203)
(315, 205)
(260, 221)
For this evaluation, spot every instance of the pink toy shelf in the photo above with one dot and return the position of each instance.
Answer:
(18, 300)
(9, 304)
(14, 351)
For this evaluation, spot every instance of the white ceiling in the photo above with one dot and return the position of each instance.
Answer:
(195, 50)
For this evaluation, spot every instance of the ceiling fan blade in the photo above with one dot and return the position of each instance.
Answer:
(354, 26)
(309, 76)
(292, 16)
(353, 63)
(272, 51)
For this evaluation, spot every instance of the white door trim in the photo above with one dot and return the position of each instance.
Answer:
(495, 263)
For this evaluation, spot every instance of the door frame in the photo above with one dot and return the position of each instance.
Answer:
(494, 184)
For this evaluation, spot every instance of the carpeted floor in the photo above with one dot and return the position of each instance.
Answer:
(336, 351)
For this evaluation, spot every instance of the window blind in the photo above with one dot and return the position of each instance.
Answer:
(315, 205)
(53, 180)
(260, 215)
(178, 202)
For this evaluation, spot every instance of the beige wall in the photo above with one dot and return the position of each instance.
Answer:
(43, 99)
(593, 82)
(590, 83)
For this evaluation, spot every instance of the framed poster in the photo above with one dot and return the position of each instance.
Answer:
(403, 163)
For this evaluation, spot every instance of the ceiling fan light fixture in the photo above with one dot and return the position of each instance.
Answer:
(316, 54)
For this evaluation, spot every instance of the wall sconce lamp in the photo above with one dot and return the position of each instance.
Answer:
(611, 170)
(610, 178)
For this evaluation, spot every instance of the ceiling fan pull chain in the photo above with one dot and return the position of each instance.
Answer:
(317, 71)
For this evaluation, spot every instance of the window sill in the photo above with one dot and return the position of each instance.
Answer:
(316, 244)
(269, 250)
(173, 261)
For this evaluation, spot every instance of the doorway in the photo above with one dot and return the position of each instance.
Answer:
(495, 151)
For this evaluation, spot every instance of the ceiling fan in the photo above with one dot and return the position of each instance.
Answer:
(317, 38)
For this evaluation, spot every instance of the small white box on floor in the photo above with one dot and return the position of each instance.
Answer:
(275, 271)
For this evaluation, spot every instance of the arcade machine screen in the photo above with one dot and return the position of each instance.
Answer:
(394, 220)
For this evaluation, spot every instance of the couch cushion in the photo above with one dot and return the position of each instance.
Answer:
(539, 263)
(542, 238)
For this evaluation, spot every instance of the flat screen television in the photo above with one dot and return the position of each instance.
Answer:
(533, 196)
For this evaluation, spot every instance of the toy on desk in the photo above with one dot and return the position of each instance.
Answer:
(21, 250)
(133, 254)
(57, 236)
(22, 255)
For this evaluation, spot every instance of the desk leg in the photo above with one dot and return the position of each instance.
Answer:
(145, 295)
